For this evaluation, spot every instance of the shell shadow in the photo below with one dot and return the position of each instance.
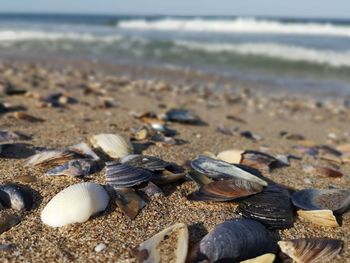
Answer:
(17, 150)
(196, 232)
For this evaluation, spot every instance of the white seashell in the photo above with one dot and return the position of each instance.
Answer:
(75, 204)
(100, 247)
(85, 149)
(114, 145)
(230, 156)
(52, 157)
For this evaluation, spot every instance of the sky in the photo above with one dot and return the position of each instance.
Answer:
(293, 8)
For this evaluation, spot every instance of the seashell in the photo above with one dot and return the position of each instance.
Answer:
(169, 245)
(79, 167)
(170, 174)
(266, 258)
(7, 221)
(311, 250)
(230, 156)
(163, 129)
(20, 115)
(234, 241)
(85, 150)
(163, 141)
(337, 200)
(114, 145)
(272, 207)
(140, 134)
(219, 169)
(250, 135)
(152, 190)
(129, 201)
(150, 163)
(12, 136)
(326, 171)
(123, 175)
(183, 116)
(147, 117)
(199, 178)
(16, 197)
(75, 204)
(319, 217)
(52, 158)
(259, 160)
(226, 190)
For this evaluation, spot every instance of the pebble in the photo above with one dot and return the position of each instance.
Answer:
(100, 247)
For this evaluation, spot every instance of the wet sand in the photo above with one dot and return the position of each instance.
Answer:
(265, 116)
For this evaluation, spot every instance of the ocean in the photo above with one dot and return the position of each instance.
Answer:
(301, 54)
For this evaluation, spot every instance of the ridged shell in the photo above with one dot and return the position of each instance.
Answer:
(311, 250)
(226, 190)
(319, 217)
(75, 204)
(272, 207)
(53, 157)
(150, 163)
(123, 175)
(114, 145)
(151, 250)
(219, 169)
(234, 241)
(337, 200)
(16, 197)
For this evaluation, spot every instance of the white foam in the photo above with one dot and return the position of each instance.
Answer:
(238, 25)
(274, 50)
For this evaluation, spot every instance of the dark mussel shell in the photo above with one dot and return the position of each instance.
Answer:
(259, 160)
(234, 241)
(226, 190)
(150, 163)
(272, 207)
(129, 201)
(76, 168)
(311, 249)
(123, 175)
(217, 169)
(183, 116)
(337, 200)
(16, 197)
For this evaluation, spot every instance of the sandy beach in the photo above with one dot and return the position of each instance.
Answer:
(321, 121)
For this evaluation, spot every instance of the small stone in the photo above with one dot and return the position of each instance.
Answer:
(100, 247)
(307, 181)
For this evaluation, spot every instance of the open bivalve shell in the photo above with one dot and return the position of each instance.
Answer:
(114, 145)
(225, 190)
(311, 250)
(217, 169)
(234, 241)
(319, 217)
(337, 200)
(169, 245)
(75, 204)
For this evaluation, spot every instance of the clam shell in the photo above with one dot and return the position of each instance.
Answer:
(169, 245)
(74, 168)
(75, 204)
(123, 175)
(53, 157)
(337, 200)
(234, 241)
(114, 145)
(129, 201)
(225, 190)
(266, 258)
(311, 250)
(272, 207)
(16, 197)
(319, 217)
(230, 156)
(219, 169)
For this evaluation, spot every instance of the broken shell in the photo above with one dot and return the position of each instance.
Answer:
(20, 115)
(12, 136)
(75, 204)
(150, 163)
(85, 149)
(52, 158)
(182, 116)
(225, 190)
(219, 169)
(319, 170)
(74, 168)
(16, 197)
(337, 200)
(319, 217)
(311, 250)
(266, 258)
(169, 245)
(123, 175)
(7, 221)
(129, 201)
(259, 160)
(230, 156)
(114, 145)
(272, 207)
(152, 190)
(233, 241)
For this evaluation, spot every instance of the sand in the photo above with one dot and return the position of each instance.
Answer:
(74, 123)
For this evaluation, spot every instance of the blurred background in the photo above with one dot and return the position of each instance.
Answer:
(299, 45)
